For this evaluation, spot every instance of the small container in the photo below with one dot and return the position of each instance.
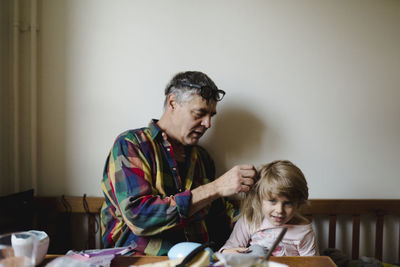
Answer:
(43, 245)
(23, 249)
(18, 249)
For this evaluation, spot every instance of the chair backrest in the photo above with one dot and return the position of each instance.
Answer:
(17, 212)
(379, 208)
(57, 215)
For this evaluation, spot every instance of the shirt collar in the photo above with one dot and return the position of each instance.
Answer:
(154, 129)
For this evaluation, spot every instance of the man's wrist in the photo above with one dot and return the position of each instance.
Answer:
(213, 189)
(208, 191)
(203, 195)
(216, 188)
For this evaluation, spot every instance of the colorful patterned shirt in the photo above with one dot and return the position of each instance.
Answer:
(147, 195)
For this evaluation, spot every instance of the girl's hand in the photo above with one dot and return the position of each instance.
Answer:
(235, 250)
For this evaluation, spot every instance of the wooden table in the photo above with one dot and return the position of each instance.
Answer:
(123, 261)
(315, 261)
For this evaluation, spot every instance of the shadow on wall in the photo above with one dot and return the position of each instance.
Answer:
(235, 138)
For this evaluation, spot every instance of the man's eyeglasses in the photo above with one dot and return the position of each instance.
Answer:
(206, 91)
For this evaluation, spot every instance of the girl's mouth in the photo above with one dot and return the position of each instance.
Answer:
(278, 219)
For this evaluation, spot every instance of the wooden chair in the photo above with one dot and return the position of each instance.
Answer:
(355, 207)
(55, 215)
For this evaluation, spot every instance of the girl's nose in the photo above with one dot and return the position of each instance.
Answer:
(279, 208)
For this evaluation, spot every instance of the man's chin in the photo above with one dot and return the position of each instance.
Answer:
(192, 141)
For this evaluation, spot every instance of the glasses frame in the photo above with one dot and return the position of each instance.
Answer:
(206, 91)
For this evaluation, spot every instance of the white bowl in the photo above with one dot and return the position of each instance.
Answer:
(182, 249)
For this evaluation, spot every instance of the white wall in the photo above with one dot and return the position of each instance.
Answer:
(315, 82)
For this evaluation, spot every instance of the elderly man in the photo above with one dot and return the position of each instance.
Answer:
(160, 185)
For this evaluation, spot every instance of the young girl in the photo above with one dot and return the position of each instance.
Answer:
(273, 203)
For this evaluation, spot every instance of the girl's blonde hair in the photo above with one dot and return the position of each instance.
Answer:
(279, 177)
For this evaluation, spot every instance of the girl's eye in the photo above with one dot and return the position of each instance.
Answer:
(272, 200)
(288, 203)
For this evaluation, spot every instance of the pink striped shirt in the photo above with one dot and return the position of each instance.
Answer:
(299, 240)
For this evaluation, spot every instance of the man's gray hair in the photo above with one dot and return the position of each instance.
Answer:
(179, 86)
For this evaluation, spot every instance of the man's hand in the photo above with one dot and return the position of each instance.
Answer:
(238, 179)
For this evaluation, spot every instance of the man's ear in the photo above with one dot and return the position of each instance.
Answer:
(171, 102)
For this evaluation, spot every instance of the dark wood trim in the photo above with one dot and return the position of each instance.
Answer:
(332, 231)
(379, 237)
(355, 246)
(75, 204)
(352, 206)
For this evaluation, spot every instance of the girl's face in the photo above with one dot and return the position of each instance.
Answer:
(279, 210)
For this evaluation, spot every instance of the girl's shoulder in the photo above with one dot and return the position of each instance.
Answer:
(299, 229)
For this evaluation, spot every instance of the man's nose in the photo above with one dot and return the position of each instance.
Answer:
(206, 122)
